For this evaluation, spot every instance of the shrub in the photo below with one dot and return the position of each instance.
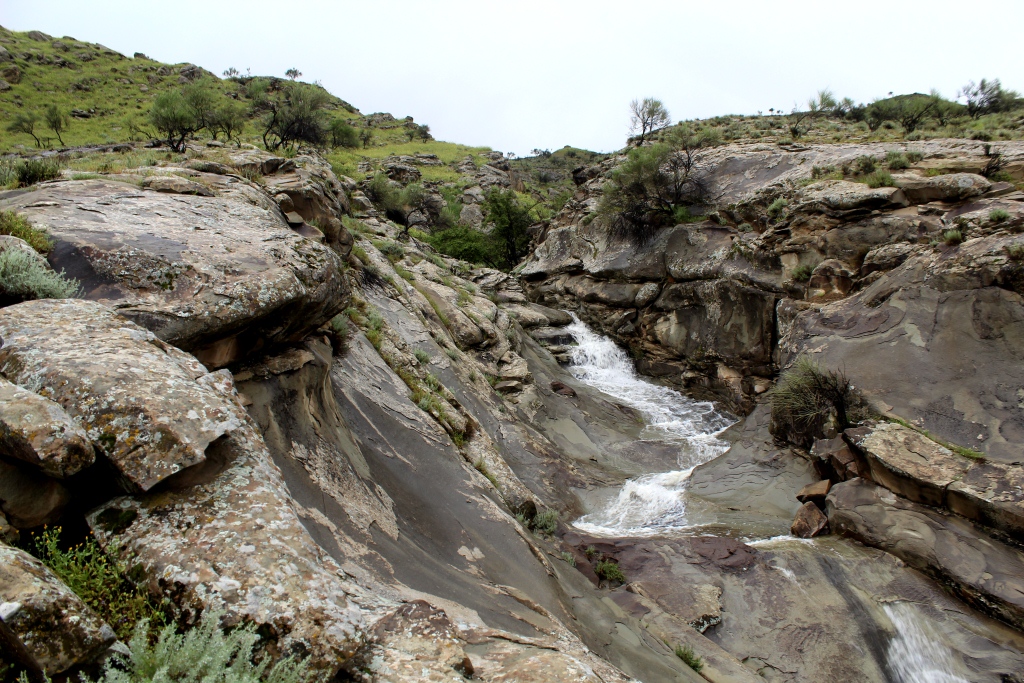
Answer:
(343, 134)
(895, 160)
(802, 273)
(340, 333)
(880, 179)
(545, 522)
(568, 558)
(392, 250)
(24, 276)
(16, 226)
(609, 571)
(101, 580)
(914, 156)
(686, 653)
(203, 654)
(776, 207)
(744, 227)
(866, 164)
(806, 398)
(1015, 251)
(422, 356)
(467, 244)
(293, 113)
(174, 118)
(32, 171)
(590, 552)
(952, 237)
(998, 215)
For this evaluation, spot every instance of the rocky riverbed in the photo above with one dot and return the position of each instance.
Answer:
(407, 469)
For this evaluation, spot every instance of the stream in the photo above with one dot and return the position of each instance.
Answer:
(656, 503)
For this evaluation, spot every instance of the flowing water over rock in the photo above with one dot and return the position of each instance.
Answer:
(655, 502)
(916, 654)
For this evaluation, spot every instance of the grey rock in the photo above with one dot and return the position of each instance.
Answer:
(987, 574)
(49, 623)
(945, 188)
(38, 431)
(146, 404)
(216, 276)
(173, 184)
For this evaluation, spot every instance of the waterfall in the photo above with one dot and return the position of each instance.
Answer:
(916, 653)
(653, 502)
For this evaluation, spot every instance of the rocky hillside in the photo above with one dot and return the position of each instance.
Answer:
(242, 390)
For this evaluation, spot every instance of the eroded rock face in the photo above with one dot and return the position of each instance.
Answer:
(216, 276)
(984, 572)
(149, 406)
(38, 431)
(42, 621)
(234, 543)
(908, 463)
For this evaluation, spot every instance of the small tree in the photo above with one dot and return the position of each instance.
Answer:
(172, 117)
(647, 115)
(343, 134)
(294, 114)
(656, 185)
(231, 72)
(423, 131)
(57, 121)
(366, 137)
(201, 101)
(987, 97)
(293, 73)
(229, 119)
(511, 220)
(25, 122)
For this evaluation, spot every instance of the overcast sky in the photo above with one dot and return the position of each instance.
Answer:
(545, 73)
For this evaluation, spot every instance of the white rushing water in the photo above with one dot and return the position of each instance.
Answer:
(654, 502)
(917, 654)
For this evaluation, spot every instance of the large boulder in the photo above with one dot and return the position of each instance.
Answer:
(842, 197)
(308, 186)
(146, 404)
(945, 188)
(42, 622)
(216, 276)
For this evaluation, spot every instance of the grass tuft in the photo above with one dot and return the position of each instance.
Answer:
(609, 570)
(17, 226)
(686, 653)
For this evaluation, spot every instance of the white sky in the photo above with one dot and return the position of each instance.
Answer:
(546, 73)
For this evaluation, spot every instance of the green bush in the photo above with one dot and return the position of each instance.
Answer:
(998, 215)
(866, 164)
(101, 580)
(609, 571)
(802, 273)
(24, 277)
(343, 134)
(16, 226)
(422, 356)
(744, 227)
(1015, 251)
(32, 171)
(880, 179)
(392, 250)
(952, 238)
(913, 156)
(895, 160)
(545, 522)
(776, 207)
(203, 654)
(807, 397)
(686, 653)
(467, 244)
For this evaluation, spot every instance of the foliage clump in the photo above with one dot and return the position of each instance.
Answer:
(17, 226)
(689, 657)
(656, 182)
(809, 402)
(24, 277)
(102, 581)
(203, 654)
(609, 571)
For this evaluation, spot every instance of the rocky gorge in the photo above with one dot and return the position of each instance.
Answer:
(278, 406)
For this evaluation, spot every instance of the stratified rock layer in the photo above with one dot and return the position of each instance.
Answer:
(146, 404)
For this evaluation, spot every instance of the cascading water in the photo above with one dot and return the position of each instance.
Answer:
(654, 502)
(916, 654)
